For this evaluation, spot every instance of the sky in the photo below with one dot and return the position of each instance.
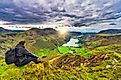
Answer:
(87, 12)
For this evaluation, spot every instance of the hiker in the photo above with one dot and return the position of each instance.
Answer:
(23, 56)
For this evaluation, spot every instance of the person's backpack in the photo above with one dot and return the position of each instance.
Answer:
(10, 56)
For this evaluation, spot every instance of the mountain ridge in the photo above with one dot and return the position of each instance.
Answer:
(111, 31)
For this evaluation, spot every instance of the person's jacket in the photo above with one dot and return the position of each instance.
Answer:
(21, 53)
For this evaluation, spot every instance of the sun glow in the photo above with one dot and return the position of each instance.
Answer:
(63, 31)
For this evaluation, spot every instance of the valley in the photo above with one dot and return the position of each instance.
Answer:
(98, 56)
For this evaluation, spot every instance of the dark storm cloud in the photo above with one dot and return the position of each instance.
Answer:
(38, 11)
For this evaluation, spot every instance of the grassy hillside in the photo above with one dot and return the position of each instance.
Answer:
(36, 39)
(97, 58)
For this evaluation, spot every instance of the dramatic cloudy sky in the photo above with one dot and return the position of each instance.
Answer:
(63, 11)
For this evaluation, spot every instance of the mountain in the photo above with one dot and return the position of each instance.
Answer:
(37, 39)
(99, 57)
(111, 31)
(94, 60)
(42, 32)
(4, 30)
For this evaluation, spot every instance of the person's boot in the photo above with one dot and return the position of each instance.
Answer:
(37, 61)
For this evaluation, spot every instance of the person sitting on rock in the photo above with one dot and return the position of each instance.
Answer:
(23, 56)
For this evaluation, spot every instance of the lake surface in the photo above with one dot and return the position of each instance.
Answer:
(72, 43)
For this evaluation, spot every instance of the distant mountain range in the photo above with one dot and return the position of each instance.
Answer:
(6, 30)
(111, 31)
(53, 31)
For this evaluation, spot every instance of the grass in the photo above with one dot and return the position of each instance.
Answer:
(101, 62)
(64, 50)
(84, 52)
(48, 70)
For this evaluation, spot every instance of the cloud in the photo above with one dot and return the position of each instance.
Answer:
(83, 11)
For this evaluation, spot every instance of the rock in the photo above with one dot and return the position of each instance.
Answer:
(108, 66)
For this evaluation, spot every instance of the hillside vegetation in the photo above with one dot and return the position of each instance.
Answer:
(97, 58)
